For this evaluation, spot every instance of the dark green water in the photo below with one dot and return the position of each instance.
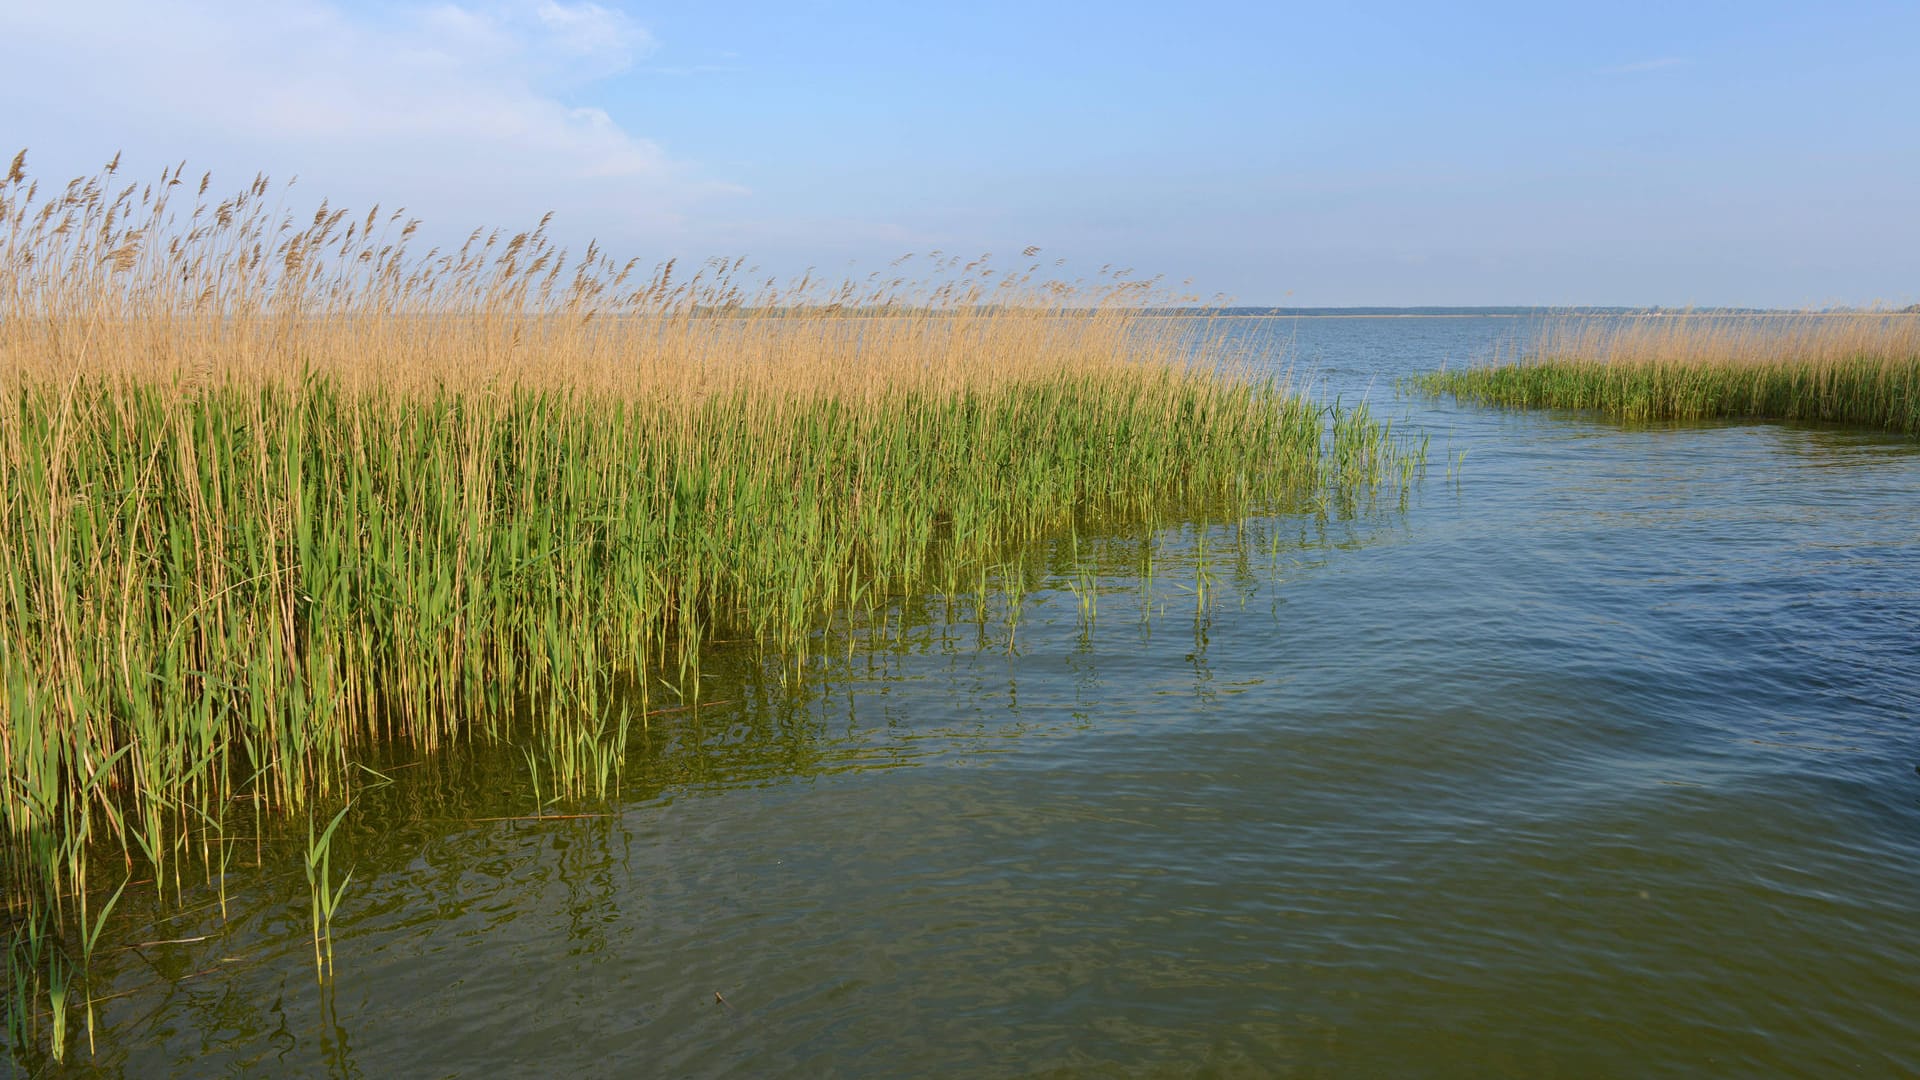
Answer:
(1598, 760)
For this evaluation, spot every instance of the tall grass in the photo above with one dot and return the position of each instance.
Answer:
(274, 489)
(1859, 369)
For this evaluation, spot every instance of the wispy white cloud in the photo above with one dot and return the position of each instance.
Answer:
(591, 31)
(1658, 63)
(481, 96)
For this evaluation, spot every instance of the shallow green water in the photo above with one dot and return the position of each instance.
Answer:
(1597, 760)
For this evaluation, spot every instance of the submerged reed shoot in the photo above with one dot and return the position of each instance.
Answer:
(273, 490)
(1861, 369)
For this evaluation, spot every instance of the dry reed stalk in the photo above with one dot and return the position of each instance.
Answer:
(272, 489)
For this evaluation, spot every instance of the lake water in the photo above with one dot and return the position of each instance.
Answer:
(1596, 759)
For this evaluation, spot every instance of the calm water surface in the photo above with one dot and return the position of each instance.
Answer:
(1597, 760)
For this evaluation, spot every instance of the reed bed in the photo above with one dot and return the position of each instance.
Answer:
(273, 490)
(1861, 369)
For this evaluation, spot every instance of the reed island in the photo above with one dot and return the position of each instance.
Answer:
(1858, 368)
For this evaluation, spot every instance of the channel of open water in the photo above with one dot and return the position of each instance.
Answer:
(1598, 758)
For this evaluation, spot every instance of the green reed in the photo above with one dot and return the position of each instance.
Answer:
(321, 892)
(254, 525)
(1857, 369)
(233, 591)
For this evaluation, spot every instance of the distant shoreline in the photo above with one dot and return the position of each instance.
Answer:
(1542, 313)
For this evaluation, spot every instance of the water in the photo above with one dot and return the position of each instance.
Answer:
(1597, 760)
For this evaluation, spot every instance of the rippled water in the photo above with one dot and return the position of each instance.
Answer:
(1597, 760)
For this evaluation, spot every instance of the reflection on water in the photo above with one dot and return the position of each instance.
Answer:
(1599, 760)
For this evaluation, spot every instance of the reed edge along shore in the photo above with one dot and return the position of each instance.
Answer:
(273, 491)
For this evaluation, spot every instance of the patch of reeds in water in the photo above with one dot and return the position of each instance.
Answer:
(272, 490)
(1859, 369)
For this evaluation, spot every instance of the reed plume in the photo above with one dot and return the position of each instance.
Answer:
(276, 486)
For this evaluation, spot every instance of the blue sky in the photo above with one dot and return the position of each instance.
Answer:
(1335, 154)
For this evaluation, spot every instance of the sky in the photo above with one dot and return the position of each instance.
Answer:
(1317, 155)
